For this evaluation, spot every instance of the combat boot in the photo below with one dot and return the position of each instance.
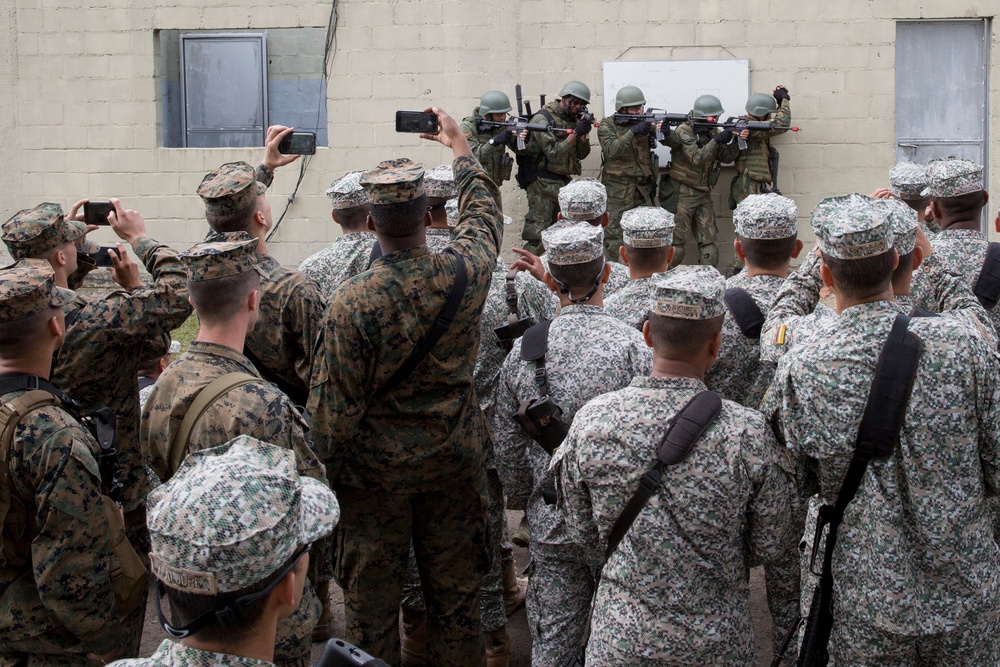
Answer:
(515, 588)
(413, 642)
(521, 533)
(497, 648)
(323, 631)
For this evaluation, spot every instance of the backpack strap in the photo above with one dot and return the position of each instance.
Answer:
(745, 311)
(987, 287)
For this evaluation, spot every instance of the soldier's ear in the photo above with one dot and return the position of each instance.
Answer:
(253, 300)
(798, 248)
(670, 256)
(428, 219)
(605, 219)
(370, 223)
(918, 257)
(559, 216)
(623, 253)
(647, 334)
(738, 249)
(550, 283)
(715, 346)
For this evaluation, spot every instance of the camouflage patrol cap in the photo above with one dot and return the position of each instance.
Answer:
(907, 180)
(583, 199)
(230, 188)
(689, 292)
(226, 255)
(769, 216)
(346, 191)
(902, 221)
(647, 227)
(29, 287)
(35, 231)
(952, 177)
(849, 227)
(232, 515)
(440, 182)
(573, 244)
(394, 181)
(451, 210)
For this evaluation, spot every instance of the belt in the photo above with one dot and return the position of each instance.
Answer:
(552, 176)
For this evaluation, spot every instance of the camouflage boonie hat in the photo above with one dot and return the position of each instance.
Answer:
(35, 231)
(29, 287)
(575, 244)
(952, 177)
(232, 515)
(907, 180)
(158, 347)
(583, 199)
(394, 181)
(769, 216)
(346, 191)
(849, 227)
(647, 227)
(440, 182)
(689, 292)
(231, 187)
(226, 255)
(902, 223)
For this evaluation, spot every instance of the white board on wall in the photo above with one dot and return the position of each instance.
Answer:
(673, 85)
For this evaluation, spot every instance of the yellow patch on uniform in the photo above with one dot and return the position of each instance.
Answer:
(779, 335)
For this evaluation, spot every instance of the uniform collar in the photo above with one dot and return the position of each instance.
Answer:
(647, 382)
(581, 309)
(175, 653)
(403, 255)
(216, 350)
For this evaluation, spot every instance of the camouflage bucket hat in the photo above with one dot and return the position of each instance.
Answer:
(647, 227)
(907, 180)
(769, 216)
(849, 227)
(35, 231)
(29, 287)
(902, 222)
(583, 199)
(952, 177)
(689, 292)
(394, 181)
(346, 191)
(573, 244)
(225, 255)
(232, 515)
(440, 182)
(231, 187)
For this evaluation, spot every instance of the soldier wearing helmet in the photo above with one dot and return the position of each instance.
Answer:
(490, 145)
(627, 167)
(753, 169)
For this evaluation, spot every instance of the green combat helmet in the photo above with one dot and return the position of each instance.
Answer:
(707, 106)
(629, 96)
(760, 105)
(494, 101)
(576, 89)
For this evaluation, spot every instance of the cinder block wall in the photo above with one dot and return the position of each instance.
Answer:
(80, 109)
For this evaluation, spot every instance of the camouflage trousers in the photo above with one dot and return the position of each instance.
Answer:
(743, 186)
(543, 205)
(560, 587)
(782, 580)
(491, 603)
(624, 194)
(695, 214)
(448, 529)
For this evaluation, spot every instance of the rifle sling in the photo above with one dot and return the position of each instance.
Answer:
(534, 345)
(745, 311)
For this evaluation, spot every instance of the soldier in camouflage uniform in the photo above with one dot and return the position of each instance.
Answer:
(210, 547)
(489, 145)
(157, 354)
(675, 590)
(628, 167)
(588, 353)
(753, 171)
(439, 186)
(350, 252)
(433, 490)
(224, 280)
(98, 363)
(556, 157)
(696, 157)
(648, 233)
(55, 538)
(916, 576)
(907, 182)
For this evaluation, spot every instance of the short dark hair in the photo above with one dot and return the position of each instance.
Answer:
(578, 278)
(648, 259)
(768, 254)
(861, 278)
(962, 206)
(18, 335)
(904, 266)
(236, 221)
(148, 366)
(218, 300)
(399, 219)
(353, 219)
(918, 205)
(676, 338)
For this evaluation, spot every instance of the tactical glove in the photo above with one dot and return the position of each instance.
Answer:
(781, 93)
(723, 137)
(641, 128)
(506, 136)
(583, 128)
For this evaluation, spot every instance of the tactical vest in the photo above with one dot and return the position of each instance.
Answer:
(637, 164)
(700, 177)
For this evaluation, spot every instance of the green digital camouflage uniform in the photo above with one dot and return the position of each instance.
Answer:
(753, 173)
(628, 173)
(494, 158)
(631, 303)
(171, 653)
(536, 299)
(434, 489)
(695, 161)
(347, 256)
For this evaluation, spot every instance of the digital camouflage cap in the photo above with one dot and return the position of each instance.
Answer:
(647, 227)
(221, 257)
(346, 191)
(440, 182)
(573, 244)
(394, 181)
(232, 515)
(35, 231)
(952, 177)
(583, 199)
(230, 188)
(688, 292)
(849, 227)
(902, 222)
(907, 180)
(769, 216)
(29, 287)
(451, 210)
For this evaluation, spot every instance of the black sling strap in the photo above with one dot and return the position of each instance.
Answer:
(745, 311)
(987, 288)
(441, 325)
(145, 382)
(375, 254)
(534, 345)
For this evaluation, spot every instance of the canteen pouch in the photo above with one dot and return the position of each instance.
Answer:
(128, 574)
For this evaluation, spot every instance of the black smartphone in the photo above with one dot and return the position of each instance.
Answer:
(424, 122)
(298, 143)
(101, 256)
(96, 212)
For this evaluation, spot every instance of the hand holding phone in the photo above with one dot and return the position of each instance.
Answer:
(96, 212)
(418, 122)
(298, 143)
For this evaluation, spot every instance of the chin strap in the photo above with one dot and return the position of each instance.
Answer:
(563, 289)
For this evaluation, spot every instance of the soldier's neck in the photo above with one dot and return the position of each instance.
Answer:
(845, 302)
(639, 274)
(973, 224)
(259, 644)
(757, 271)
(35, 364)
(677, 368)
(901, 285)
(396, 243)
(596, 300)
(231, 334)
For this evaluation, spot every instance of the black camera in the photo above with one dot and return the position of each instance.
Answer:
(338, 653)
(424, 122)
(509, 331)
(298, 143)
(542, 420)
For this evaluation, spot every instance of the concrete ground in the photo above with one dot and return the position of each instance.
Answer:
(517, 625)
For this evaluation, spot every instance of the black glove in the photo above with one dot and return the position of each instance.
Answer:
(723, 137)
(504, 137)
(781, 93)
(583, 128)
(642, 128)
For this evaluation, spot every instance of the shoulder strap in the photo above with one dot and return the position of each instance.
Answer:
(204, 399)
(682, 432)
(145, 382)
(920, 312)
(548, 115)
(375, 254)
(745, 311)
(534, 345)
(987, 288)
(441, 325)
(11, 414)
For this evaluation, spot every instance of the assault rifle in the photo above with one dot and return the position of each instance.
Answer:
(518, 125)
(654, 117)
(737, 124)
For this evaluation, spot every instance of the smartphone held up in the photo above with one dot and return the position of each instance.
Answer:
(420, 122)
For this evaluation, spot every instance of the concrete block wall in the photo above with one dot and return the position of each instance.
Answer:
(84, 114)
